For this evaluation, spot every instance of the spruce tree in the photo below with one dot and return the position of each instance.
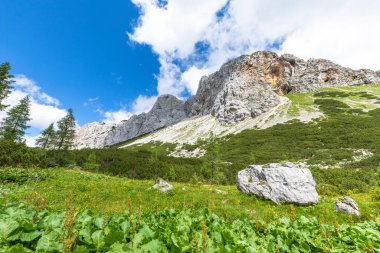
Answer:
(5, 83)
(14, 125)
(66, 131)
(47, 138)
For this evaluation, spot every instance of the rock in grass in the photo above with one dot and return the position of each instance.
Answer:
(281, 183)
(346, 205)
(162, 186)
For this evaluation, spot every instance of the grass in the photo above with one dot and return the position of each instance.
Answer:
(109, 194)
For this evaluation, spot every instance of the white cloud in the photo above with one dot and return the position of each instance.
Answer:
(190, 78)
(116, 116)
(42, 115)
(43, 108)
(175, 28)
(141, 104)
(344, 31)
(31, 140)
(22, 83)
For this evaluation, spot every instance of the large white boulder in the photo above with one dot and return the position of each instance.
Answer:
(281, 183)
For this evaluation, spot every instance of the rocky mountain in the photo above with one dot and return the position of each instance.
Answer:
(92, 135)
(166, 111)
(245, 87)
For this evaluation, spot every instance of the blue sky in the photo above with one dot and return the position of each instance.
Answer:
(108, 60)
(76, 50)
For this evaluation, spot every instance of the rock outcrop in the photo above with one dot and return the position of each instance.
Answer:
(247, 86)
(92, 135)
(281, 183)
(346, 205)
(251, 84)
(166, 111)
(162, 186)
(240, 89)
(315, 74)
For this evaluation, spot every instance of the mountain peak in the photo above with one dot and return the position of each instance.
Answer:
(242, 88)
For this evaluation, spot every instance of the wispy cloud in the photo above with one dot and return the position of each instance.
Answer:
(29, 86)
(140, 105)
(44, 109)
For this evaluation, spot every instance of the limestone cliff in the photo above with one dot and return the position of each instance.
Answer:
(247, 86)
(166, 111)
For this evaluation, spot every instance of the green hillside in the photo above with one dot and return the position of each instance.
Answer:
(100, 201)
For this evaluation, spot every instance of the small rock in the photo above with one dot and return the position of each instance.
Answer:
(281, 183)
(220, 192)
(162, 186)
(346, 205)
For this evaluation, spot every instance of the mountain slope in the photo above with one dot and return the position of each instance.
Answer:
(350, 108)
(244, 88)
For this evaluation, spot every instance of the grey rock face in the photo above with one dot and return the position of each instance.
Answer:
(288, 182)
(247, 86)
(162, 186)
(346, 205)
(92, 135)
(251, 85)
(242, 88)
(315, 74)
(166, 111)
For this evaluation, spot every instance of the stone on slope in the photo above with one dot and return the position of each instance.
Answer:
(162, 186)
(346, 205)
(281, 183)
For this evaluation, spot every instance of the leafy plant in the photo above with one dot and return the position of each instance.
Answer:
(22, 229)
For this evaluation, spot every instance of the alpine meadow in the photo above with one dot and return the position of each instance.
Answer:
(243, 146)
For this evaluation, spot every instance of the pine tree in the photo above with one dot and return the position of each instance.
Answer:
(14, 125)
(5, 83)
(47, 138)
(66, 131)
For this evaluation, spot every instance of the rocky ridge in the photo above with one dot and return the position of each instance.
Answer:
(245, 87)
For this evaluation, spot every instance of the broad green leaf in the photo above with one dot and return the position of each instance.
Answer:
(7, 227)
(28, 237)
(18, 248)
(49, 243)
(154, 246)
(98, 239)
(81, 249)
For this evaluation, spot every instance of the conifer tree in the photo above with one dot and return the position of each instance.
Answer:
(14, 125)
(66, 131)
(47, 138)
(5, 83)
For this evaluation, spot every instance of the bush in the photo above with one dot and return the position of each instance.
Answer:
(375, 194)
(19, 155)
(91, 163)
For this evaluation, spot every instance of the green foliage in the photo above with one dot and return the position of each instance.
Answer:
(20, 176)
(5, 83)
(66, 131)
(19, 155)
(91, 164)
(47, 139)
(24, 228)
(375, 194)
(14, 125)
(102, 193)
